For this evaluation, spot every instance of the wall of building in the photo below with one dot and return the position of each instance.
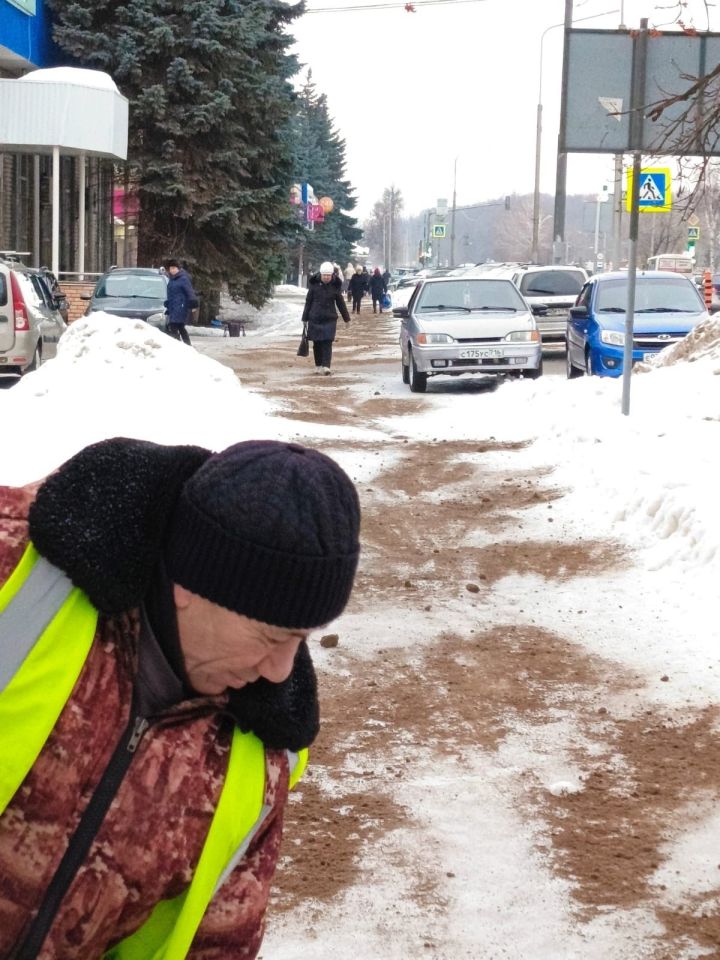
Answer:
(26, 227)
(25, 181)
(74, 290)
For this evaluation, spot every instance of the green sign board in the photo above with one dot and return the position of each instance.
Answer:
(27, 6)
(438, 231)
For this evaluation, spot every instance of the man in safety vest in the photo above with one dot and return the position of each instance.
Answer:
(156, 692)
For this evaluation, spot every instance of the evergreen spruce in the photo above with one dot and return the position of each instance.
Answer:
(320, 161)
(210, 108)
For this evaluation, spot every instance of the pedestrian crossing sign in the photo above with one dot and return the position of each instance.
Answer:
(655, 195)
(438, 231)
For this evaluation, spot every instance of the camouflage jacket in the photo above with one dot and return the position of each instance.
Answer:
(153, 833)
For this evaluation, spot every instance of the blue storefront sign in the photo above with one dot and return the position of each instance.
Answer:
(26, 33)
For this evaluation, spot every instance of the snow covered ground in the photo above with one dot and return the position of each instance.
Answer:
(649, 481)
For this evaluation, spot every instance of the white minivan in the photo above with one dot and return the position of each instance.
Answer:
(30, 320)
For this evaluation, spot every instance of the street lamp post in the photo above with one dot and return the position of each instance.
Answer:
(538, 141)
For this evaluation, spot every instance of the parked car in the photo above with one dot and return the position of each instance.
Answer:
(135, 292)
(556, 286)
(458, 325)
(31, 323)
(667, 307)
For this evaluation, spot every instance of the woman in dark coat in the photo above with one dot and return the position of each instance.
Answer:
(324, 298)
(357, 289)
(377, 289)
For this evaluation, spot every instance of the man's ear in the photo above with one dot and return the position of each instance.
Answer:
(182, 597)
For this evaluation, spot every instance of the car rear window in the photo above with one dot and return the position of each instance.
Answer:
(470, 294)
(30, 295)
(132, 285)
(552, 283)
(3, 291)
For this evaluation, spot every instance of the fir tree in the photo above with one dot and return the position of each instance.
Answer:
(320, 161)
(210, 107)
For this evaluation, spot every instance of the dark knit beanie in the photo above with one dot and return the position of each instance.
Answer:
(269, 530)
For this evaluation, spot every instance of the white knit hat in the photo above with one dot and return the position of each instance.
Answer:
(327, 269)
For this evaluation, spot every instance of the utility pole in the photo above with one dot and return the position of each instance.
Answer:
(636, 136)
(452, 217)
(561, 172)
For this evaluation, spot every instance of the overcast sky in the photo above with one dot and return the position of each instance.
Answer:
(410, 92)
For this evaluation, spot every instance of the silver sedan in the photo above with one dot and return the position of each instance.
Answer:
(456, 325)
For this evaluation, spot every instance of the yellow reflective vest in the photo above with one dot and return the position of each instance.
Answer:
(47, 627)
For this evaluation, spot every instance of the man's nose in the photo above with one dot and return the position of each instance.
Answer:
(277, 666)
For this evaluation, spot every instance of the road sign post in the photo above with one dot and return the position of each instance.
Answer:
(654, 193)
(636, 121)
(693, 235)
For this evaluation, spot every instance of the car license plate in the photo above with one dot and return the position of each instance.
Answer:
(649, 356)
(480, 354)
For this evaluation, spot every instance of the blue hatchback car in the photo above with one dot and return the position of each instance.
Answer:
(667, 307)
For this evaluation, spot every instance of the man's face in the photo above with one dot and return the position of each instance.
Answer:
(225, 649)
(173, 271)
(326, 277)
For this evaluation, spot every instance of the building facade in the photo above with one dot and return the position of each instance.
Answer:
(26, 44)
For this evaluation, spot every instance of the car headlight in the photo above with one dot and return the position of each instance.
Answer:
(156, 319)
(434, 338)
(523, 336)
(613, 337)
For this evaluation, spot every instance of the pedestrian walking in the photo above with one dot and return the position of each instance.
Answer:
(324, 299)
(181, 300)
(157, 691)
(349, 274)
(366, 279)
(357, 289)
(377, 289)
(387, 277)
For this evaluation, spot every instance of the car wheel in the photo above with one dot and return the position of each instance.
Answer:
(417, 380)
(589, 369)
(534, 374)
(36, 360)
(405, 371)
(570, 369)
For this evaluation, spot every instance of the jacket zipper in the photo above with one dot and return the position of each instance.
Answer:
(82, 839)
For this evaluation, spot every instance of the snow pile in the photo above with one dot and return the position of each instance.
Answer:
(274, 315)
(650, 476)
(653, 473)
(702, 343)
(288, 290)
(119, 377)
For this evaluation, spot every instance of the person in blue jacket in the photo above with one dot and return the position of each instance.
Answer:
(181, 300)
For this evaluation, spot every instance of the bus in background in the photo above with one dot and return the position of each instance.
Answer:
(675, 262)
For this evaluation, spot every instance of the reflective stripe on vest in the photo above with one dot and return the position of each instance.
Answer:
(47, 627)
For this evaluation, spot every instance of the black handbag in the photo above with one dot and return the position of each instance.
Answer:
(303, 349)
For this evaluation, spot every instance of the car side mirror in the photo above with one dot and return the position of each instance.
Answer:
(714, 308)
(86, 296)
(402, 313)
(579, 313)
(539, 309)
